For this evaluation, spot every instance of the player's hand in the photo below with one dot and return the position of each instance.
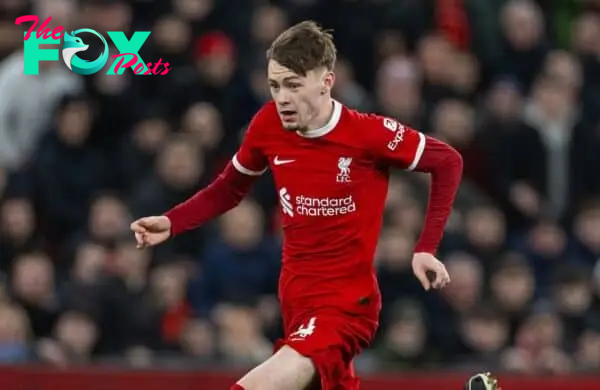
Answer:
(424, 262)
(150, 231)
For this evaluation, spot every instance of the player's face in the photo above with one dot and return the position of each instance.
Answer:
(299, 99)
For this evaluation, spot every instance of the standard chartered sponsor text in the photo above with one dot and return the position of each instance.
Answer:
(324, 207)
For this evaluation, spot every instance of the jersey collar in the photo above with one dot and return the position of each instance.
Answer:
(329, 126)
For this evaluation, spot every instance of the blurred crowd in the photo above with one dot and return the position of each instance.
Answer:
(514, 85)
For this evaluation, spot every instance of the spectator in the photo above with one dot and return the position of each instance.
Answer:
(128, 294)
(169, 286)
(74, 338)
(25, 116)
(82, 291)
(19, 233)
(203, 122)
(553, 131)
(586, 245)
(461, 298)
(513, 289)
(405, 343)
(588, 355)
(538, 347)
(464, 76)
(240, 266)
(198, 340)
(67, 171)
(172, 36)
(241, 341)
(546, 247)
(525, 46)
(400, 73)
(573, 296)
(347, 90)
(179, 170)
(33, 289)
(484, 332)
(14, 335)
(454, 122)
(395, 273)
(139, 148)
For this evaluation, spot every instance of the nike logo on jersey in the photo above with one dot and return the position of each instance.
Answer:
(277, 161)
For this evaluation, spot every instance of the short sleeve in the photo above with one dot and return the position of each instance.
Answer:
(250, 159)
(390, 141)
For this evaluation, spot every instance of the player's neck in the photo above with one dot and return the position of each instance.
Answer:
(323, 117)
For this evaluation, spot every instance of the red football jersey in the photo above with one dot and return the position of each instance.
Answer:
(332, 185)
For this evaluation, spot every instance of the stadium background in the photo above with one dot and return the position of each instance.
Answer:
(513, 85)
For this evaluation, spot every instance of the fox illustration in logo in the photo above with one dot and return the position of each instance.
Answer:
(73, 45)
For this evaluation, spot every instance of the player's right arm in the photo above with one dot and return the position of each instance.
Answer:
(223, 194)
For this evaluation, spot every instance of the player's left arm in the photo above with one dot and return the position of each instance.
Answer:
(405, 148)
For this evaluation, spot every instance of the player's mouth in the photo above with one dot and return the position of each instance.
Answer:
(288, 115)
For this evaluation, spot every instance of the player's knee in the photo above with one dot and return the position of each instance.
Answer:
(287, 369)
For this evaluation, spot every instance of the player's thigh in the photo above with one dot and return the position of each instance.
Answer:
(285, 370)
(331, 340)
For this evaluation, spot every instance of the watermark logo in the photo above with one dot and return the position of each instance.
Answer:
(128, 56)
(73, 44)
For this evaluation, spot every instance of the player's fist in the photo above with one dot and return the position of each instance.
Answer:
(150, 231)
(426, 262)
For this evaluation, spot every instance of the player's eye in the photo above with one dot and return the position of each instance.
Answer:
(294, 86)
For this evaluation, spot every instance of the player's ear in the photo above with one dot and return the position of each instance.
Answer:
(328, 82)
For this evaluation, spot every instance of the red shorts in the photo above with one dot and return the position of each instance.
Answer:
(331, 339)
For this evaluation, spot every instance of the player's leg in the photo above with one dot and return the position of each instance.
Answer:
(285, 370)
(333, 342)
(318, 353)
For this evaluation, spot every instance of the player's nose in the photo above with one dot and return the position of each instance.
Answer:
(282, 104)
(282, 99)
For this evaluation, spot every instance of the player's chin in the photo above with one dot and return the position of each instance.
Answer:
(290, 125)
(289, 119)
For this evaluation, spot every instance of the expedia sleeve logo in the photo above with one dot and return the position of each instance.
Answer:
(398, 138)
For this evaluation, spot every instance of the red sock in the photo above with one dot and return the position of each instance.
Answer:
(237, 387)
